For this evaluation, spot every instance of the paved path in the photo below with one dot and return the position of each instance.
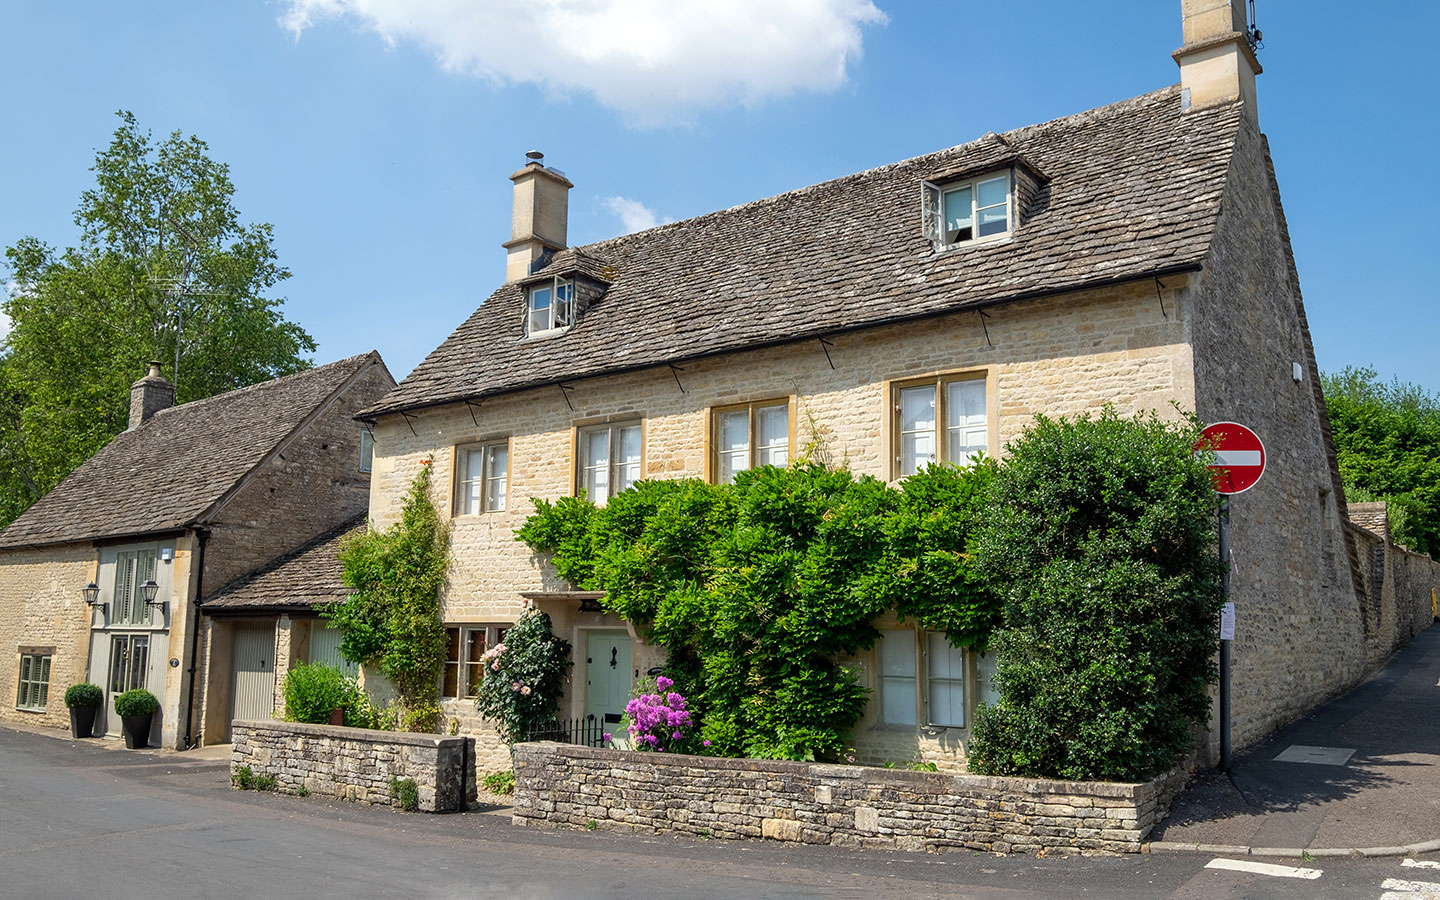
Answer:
(1384, 795)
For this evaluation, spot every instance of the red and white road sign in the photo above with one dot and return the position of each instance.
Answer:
(1239, 456)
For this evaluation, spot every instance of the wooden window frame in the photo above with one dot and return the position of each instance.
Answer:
(367, 443)
(492, 635)
(28, 685)
(932, 209)
(939, 382)
(713, 435)
(460, 465)
(971, 691)
(578, 445)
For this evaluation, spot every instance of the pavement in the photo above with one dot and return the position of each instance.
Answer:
(1382, 799)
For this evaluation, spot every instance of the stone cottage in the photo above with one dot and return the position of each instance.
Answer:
(1135, 254)
(107, 578)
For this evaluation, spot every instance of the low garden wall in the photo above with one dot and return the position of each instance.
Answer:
(357, 763)
(848, 806)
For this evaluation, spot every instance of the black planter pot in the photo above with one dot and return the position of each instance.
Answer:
(82, 720)
(137, 731)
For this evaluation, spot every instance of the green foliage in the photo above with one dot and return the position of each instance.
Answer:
(1387, 441)
(137, 702)
(243, 778)
(524, 677)
(391, 620)
(502, 783)
(264, 782)
(756, 588)
(1100, 534)
(84, 694)
(302, 791)
(164, 270)
(407, 792)
(312, 691)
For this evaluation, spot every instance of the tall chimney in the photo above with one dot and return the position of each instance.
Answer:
(149, 395)
(537, 224)
(1216, 63)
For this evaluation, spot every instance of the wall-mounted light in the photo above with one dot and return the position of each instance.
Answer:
(91, 593)
(149, 589)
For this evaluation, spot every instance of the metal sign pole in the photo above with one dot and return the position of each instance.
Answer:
(1224, 642)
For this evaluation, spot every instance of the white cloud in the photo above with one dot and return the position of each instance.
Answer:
(654, 60)
(634, 215)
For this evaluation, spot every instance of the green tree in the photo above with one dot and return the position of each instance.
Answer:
(391, 620)
(164, 270)
(1100, 535)
(757, 588)
(1387, 441)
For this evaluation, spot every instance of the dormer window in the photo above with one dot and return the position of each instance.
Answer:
(550, 306)
(960, 212)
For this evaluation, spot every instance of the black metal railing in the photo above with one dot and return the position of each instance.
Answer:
(589, 731)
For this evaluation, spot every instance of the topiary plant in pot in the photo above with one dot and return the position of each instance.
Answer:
(136, 710)
(84, 701)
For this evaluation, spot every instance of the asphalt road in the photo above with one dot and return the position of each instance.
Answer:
(81, 820)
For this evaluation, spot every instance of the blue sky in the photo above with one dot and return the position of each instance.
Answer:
(377, 135)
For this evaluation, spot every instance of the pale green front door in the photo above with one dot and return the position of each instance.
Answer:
(608, 676)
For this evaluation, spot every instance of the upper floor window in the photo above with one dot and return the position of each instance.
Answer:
(34, 693)
(483, 477)
(967, 210)
(756, 434)
(939, 420)
(132, 569)
(609, 459)
(549, 306)
(367, 451)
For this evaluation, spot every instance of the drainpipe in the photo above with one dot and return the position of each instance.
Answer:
(203, 537)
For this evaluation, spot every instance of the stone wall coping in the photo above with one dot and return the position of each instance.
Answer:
(342, 733)
(933, 782)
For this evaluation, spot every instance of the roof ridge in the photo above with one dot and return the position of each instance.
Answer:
(192, 404)
(1097, 113)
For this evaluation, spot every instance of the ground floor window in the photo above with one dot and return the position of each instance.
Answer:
(464, 670)
(923, 679)
(34, 691)
(129, 662)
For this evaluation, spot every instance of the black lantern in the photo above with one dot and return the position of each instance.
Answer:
(148, 590)
(91, 593)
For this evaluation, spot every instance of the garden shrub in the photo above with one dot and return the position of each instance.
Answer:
(136, 702)
(391, 620)
(756, 588)
(83, 695)
(502, 783)
(524, 677)
(312, 691)
(406, 792)
(1100, 536)
(658, 719)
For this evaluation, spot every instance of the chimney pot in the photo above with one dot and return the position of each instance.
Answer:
(149, 395)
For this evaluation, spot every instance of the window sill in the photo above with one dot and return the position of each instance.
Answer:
(30, 709)
(546, 334)
(976, 242)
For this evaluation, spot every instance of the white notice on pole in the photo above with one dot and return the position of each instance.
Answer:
(1227, 622)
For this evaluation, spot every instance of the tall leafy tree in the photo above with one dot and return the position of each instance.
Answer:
(1387, 441)
(164, 270)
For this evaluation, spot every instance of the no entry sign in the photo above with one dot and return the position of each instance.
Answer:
(1239, 456)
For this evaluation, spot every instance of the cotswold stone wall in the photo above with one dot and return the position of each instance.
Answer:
(357, 764)
(41, 611)
(1399, 589)
(847, 806)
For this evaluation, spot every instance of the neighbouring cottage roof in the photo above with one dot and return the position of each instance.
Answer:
(306, 577)
(1133, 190)
(172, 470)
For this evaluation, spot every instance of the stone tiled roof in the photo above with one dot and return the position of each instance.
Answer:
(1134, 189)
(306, 577)
(169, 472)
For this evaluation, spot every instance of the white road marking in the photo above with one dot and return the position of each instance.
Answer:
(1412, 889)
(1420, 864)
(1259, 868)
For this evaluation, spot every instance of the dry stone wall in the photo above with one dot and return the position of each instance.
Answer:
(357, 764)
(844, 806)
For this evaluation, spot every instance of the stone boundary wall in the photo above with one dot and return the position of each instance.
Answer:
(357, 763)
(1395, 587)
(845, 806)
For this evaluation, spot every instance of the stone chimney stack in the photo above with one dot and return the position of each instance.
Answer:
(1217, 63)
(149, 395)
(538, 222)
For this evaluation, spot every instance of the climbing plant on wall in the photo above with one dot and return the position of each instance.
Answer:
(391, 620)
